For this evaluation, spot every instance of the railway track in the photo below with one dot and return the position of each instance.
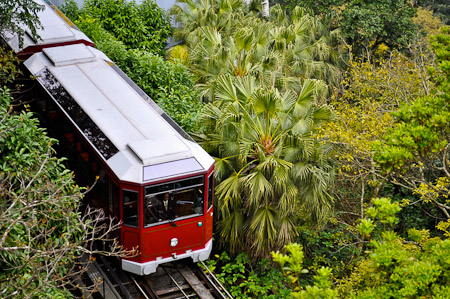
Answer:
(177, 280)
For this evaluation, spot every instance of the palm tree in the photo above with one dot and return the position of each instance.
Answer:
(194, 14)
(259, 77)
(270, 166)
(276, 51)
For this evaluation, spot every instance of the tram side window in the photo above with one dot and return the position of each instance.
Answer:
(210, 190)
(130, 208)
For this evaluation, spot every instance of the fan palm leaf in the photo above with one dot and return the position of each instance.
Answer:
(263, 231)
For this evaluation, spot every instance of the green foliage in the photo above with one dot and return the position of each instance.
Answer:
(169, 84)
(318, 6)
(371, 23)
(332, 246)
(277, 51)
(291, 264)
(441, 44)
(384, 210)
(194, 15)
(391, 266)
(70, 9)
(395, 267)
(39, 220)
(421, 131)
(367, 24)
(16, 13)
(9, 66)
(142, 26)
(363, 106)
(104, 40)
(428, 21)
(441, 8)
(264, 80)
(244, 280)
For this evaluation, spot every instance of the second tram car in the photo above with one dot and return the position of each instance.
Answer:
(57, 30)
(150, 175)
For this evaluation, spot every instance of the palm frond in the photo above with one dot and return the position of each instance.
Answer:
(259, 188)
(245, 86)
(225, 89)
(263, 229)
(231, 230)
(222, 168)
(229, 189)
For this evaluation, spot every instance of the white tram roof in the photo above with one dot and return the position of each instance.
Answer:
(55, 28)
(137, 142)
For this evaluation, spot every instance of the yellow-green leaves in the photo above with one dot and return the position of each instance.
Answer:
(365, 227)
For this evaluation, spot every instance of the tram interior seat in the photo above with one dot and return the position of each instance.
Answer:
(184, 208)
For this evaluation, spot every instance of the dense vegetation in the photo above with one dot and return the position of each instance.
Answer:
(265, 82)
(328, 121)
(387, 139)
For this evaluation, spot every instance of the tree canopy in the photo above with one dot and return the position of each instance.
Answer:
(367, 25)
(19, 16)
(142, 26)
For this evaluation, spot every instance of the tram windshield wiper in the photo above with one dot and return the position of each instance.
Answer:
(172, 223)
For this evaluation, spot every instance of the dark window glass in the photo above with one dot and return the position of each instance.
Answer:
(116, 194)
(170, 201)
(151, 210)
(189, 202)
(130, 208)
(189, 182)
(159, 189)
(81, 119)
(210, 190)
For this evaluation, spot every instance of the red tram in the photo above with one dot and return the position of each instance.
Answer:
(150, 174)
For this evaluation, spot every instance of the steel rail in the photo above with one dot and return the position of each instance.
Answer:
(217, 281)
(139, 287)
(174, 281)
(115, 277)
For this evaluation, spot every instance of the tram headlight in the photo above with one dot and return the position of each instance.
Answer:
(173, 242)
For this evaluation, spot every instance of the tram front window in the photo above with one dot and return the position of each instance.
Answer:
(174, 200)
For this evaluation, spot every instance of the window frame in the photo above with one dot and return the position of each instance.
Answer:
(174, 191)
(123, 207)
(210, 192)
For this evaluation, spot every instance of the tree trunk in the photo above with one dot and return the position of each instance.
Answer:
(265, 8)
